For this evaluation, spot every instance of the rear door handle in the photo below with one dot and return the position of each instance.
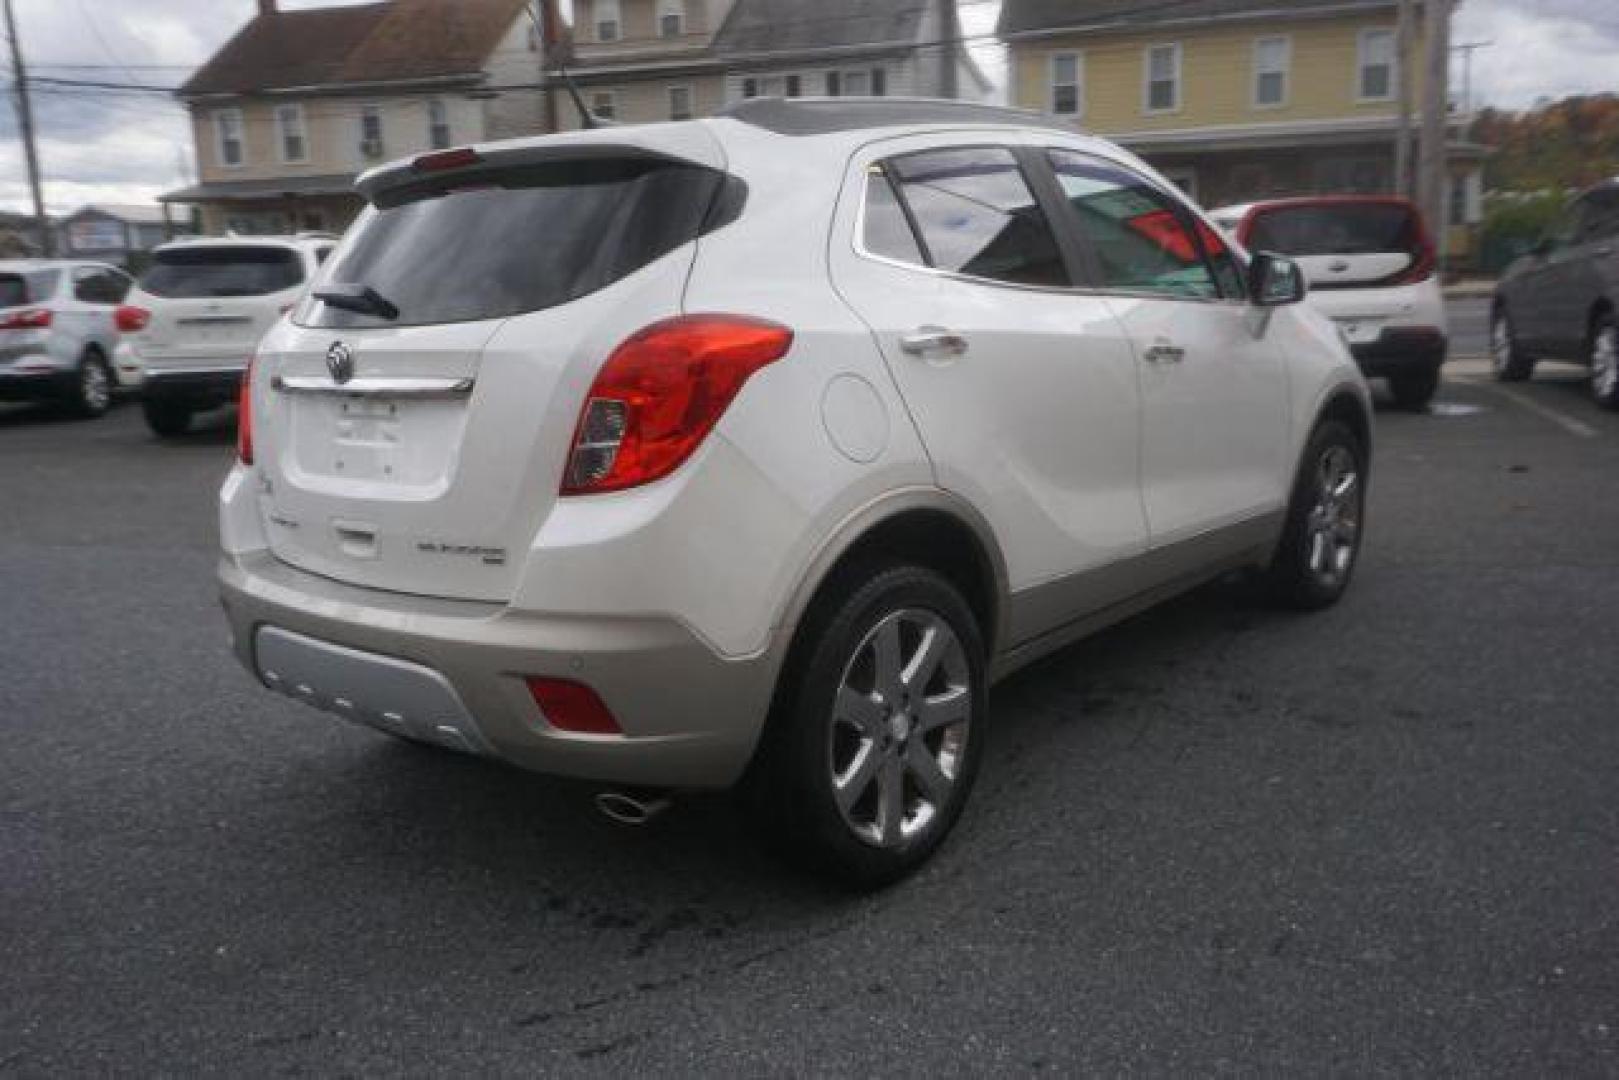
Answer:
(1164, 354)
(933, 341)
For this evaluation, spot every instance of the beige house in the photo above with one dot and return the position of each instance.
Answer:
(298, 103)
(1234, 100)
(639, 61)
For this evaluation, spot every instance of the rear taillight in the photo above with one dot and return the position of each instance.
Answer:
(572, 706)
(661, 393)
(244, 416)
(131, 319)
(27, 319)
(445, 160)
(1423, 260)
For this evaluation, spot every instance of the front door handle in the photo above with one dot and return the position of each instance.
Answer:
(1164, 353)
(933, 341)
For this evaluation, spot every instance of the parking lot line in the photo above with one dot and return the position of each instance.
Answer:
(1568, 423)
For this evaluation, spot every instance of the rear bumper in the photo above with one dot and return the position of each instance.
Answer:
(690, 717)
(1402, 349)
(199, 387)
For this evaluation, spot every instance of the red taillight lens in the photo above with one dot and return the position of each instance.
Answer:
(661, 393)
(131, 319)
(244, 416)
(1423, 261)
(29, 319)
(571, 706)
(444, 160)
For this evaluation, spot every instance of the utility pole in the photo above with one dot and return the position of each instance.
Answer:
(1431, 185)
(950, 34)
(1402, 133)
(25, 120)
(1467, 49)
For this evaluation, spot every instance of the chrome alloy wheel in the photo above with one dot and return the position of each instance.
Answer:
(1332, 531)
(1605, 362)
(94, 388)
(900, 727)
(1500, 344)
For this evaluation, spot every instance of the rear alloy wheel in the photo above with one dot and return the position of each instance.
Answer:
(92, 387)
(167, 419)
(871, 757)
(1605, 361)
(1507, 361)
(1413, 390)
(1321, 540)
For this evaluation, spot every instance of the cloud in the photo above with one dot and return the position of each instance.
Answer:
(1540, 49)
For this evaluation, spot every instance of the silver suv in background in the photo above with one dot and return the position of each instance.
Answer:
(58, 332)
(199, 312)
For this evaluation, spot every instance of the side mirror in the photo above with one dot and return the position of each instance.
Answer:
(1274, 280)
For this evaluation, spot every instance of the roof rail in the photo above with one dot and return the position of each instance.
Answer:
(826, 115)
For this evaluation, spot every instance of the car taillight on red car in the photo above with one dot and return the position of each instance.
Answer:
(27, 319)
(131, 319)
(661, 393)
(244, 416)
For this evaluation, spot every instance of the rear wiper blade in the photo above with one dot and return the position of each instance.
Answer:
(360, 299)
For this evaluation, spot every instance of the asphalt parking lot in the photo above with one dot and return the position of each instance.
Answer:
(1382, 839)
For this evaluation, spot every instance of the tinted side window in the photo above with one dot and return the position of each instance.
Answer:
(886, 231)
(1136, 231)
(29, 287)
(977, 216)
(98, 287)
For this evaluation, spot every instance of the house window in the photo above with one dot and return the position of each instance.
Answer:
(608, 24)
(289, 122)
(371, 131)
(750, 88)
(1065, 84)
(671, 18)
(1163, 66)
(438, 124)
(879, 82)
(604, 105)
(1376, 81)
(680, 103)
(1271, 61)
(228, 136)
(795, 86)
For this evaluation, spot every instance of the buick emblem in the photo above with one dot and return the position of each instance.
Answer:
(340, 362)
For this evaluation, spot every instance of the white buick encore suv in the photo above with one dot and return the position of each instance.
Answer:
(749, 451)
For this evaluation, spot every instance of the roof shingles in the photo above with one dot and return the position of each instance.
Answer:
(394, 40)
(1032, 16)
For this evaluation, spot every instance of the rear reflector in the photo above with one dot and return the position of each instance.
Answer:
(131, 319)
(244, 416)
(573, 707)
(445, 160)
(29, 319)
(661, 393)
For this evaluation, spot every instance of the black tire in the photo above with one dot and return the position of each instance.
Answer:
(1508, 361)
(1603, 356)
(1414, 390)
(792, 787)
(167, 419)
(1299, 576)
(93, 382)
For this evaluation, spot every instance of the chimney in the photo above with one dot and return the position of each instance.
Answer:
(266, 7)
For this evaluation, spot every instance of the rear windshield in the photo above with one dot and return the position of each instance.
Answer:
(194, 273)
(1344, 229)
(517, 240)
(27, 288)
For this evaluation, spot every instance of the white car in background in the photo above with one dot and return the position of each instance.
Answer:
(199, 312)
(59, 329)
(1372, 267)
(750, 450)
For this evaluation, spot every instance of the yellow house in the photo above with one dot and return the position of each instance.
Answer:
(1234, 100)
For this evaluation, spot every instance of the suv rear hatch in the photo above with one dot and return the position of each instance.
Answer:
(418, 447)
(214, 302)
(1345, 243)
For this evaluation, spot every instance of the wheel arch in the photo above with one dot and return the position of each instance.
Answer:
(1603, 305)
(1350, 407)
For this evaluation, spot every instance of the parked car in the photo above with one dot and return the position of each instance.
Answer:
(199, 312)
(1559, 301)
(58, 332)
(1371, 266)
(750, 450)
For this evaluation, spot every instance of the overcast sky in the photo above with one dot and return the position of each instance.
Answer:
(99, 147)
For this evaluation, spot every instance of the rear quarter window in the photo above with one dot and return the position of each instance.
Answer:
(517, 240)
(28, 287)
(197, 273)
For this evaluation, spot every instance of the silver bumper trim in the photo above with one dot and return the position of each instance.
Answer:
(375, 386)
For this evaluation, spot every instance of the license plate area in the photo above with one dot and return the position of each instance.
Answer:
(345, 439)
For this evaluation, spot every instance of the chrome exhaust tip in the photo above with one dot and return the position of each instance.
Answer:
(633, 808)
